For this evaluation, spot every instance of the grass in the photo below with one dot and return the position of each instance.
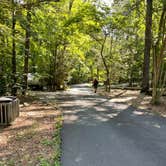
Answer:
(56, 143)
(34, 137)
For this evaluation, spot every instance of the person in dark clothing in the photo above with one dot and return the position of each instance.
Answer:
(95, 84)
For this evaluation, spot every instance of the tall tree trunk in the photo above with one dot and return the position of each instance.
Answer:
(159, 50)
(148, 41)
(55, 54)
(27, 50)
(108, 86)
(98, 72)
(61, 69)
(2, 72)
(91, 72)
(14, 79)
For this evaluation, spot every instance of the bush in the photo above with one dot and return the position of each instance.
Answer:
(2, 85)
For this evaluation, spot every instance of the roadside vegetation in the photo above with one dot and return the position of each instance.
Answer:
(34, 137)
(135, 99)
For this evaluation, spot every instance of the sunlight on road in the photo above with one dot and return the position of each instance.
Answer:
(126, 99)
(157, 126)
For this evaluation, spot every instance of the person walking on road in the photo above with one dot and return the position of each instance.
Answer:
(95, 84)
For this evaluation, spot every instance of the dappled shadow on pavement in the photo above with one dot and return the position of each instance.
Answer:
(78, 105)
(98, 132)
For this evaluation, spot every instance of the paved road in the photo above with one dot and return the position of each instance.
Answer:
(97, 132)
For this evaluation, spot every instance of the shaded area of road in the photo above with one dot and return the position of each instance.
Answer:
(97, 132)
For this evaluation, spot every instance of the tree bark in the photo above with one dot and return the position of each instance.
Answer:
(55, 53)
(158, 59)
(108, 87)
(14, 79)
(27, 50)
(148, 41)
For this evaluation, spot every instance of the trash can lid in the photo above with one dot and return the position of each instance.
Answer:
(11, 97)
(5, 99)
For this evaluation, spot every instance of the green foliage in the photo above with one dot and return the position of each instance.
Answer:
(66, 40)
(2, 85)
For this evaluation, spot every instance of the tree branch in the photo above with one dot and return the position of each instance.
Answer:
(33, 4)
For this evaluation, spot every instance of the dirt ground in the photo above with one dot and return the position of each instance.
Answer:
(136, 99)
(32, 138)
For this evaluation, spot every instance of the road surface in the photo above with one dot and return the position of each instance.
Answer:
(98, 132)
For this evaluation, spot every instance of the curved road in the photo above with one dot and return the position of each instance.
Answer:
(97, 132)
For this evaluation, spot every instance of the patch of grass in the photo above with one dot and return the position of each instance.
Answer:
(25, 135)
(44, 162)
(47, 142)
(57, 164)
(27, 99)
(28, 133)
(9, 163)
(56, 143)
(2, 163)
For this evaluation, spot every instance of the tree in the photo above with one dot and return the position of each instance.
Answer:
(4, 47)
(159, 53)
(27, 48)
(14, 67)
(29, 6)
(147, 49)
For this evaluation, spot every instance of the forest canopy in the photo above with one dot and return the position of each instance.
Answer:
(72, 41)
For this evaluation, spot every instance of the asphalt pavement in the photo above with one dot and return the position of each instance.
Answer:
(98, 132)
